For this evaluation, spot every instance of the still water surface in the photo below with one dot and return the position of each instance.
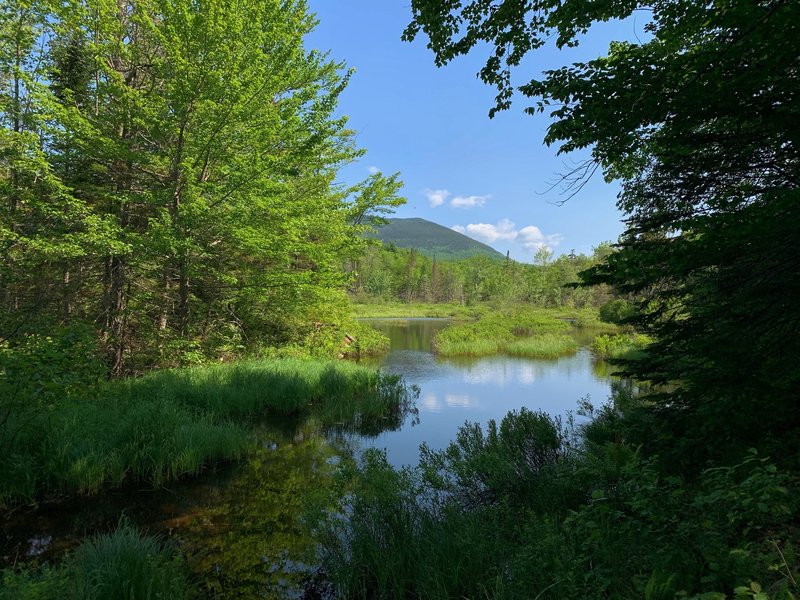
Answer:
(243, 527)
(455, 390)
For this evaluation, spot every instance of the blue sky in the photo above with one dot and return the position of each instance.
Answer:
(488, 178)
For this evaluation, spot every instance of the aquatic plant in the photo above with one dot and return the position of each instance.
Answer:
(621, 346)
(548, 345)
(495, 331)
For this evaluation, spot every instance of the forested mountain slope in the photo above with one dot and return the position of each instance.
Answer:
(432, 239)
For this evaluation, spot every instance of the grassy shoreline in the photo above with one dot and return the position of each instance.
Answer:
(400, 310)
(174, 423)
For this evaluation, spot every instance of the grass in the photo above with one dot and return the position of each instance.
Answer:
(548, 345)
(495, 332)
(123, 565)
(368, 341)
(621, 346)
(174, 423)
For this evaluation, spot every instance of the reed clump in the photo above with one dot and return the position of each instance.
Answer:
(621, 346)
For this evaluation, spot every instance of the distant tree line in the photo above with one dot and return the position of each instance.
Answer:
(389, 273)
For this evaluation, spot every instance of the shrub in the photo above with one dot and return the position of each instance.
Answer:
(617, 311)
(621, 346)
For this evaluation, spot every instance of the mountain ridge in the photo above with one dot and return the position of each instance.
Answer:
(432, 239)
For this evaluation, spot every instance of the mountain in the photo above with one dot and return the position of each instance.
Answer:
(432, 239)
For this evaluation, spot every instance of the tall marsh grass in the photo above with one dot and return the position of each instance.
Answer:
(621, 346)
(495, 332)
(123, 565)
(547, 345)
(170, 424)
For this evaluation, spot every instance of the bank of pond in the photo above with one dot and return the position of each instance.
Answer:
(280, 478)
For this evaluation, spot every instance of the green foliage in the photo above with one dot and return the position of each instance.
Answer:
(368, 341)
(629, 347)
(504, 464)
(123, 564)
(37, 370)
(703, 165)
(174, 423)
(495, 331)
(404, 551)
(616, 311)
(418, 309)
(167, 174)
(391, 274)
(548, 345)
(528, 506)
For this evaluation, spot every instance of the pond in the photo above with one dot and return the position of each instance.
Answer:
(243, 527)
(455, 390)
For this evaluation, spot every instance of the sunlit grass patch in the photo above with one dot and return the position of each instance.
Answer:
(402, 310)
(621, 346)
(548, 345)
(495, 331)
(472, 339)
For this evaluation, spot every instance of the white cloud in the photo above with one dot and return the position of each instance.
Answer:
(504, 230)
(431, 403)
(437, 197)
(373, 169)
(532, 238)
(458, 400)
(468, 201)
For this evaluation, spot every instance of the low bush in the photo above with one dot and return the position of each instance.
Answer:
(533, 510)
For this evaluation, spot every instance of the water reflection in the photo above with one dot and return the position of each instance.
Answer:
(254, 542)
(455, 390)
